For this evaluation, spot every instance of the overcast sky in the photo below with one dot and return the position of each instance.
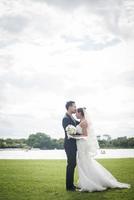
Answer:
(60, 50)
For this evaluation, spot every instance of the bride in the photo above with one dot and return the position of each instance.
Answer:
(92, 175)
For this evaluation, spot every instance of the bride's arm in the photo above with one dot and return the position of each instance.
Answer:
(84, 126)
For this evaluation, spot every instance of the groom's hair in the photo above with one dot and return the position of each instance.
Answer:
(69, 103)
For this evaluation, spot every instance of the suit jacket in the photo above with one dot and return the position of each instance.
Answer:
(65, 122)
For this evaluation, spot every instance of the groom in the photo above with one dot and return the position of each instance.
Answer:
(70, 145)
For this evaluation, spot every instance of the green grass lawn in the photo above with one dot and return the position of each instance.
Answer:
(45, 180)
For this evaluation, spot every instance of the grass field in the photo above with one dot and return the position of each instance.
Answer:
(45, 180)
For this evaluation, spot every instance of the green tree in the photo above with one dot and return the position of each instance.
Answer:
(39, 140)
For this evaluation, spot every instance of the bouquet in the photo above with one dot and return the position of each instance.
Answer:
(72, 133)
(71, 130)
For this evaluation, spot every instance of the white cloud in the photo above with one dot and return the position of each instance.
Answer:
(61, 50)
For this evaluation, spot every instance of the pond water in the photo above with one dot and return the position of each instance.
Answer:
(60, 154)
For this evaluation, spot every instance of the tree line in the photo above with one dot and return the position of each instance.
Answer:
(38, 140)
(44, 141)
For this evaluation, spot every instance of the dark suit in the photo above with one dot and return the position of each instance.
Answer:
(71, 150)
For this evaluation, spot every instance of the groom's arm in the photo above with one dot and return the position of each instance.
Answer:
(77, 122)
(65, 122)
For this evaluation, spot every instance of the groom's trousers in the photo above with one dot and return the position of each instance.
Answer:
(71, 150)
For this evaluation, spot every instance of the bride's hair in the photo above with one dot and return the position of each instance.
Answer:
(81, 110)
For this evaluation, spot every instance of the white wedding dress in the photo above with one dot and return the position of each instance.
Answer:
(92, 175)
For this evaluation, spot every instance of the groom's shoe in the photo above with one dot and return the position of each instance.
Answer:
(76, 187)
(71, 189)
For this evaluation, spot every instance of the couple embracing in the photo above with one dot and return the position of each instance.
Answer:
(81, 151)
